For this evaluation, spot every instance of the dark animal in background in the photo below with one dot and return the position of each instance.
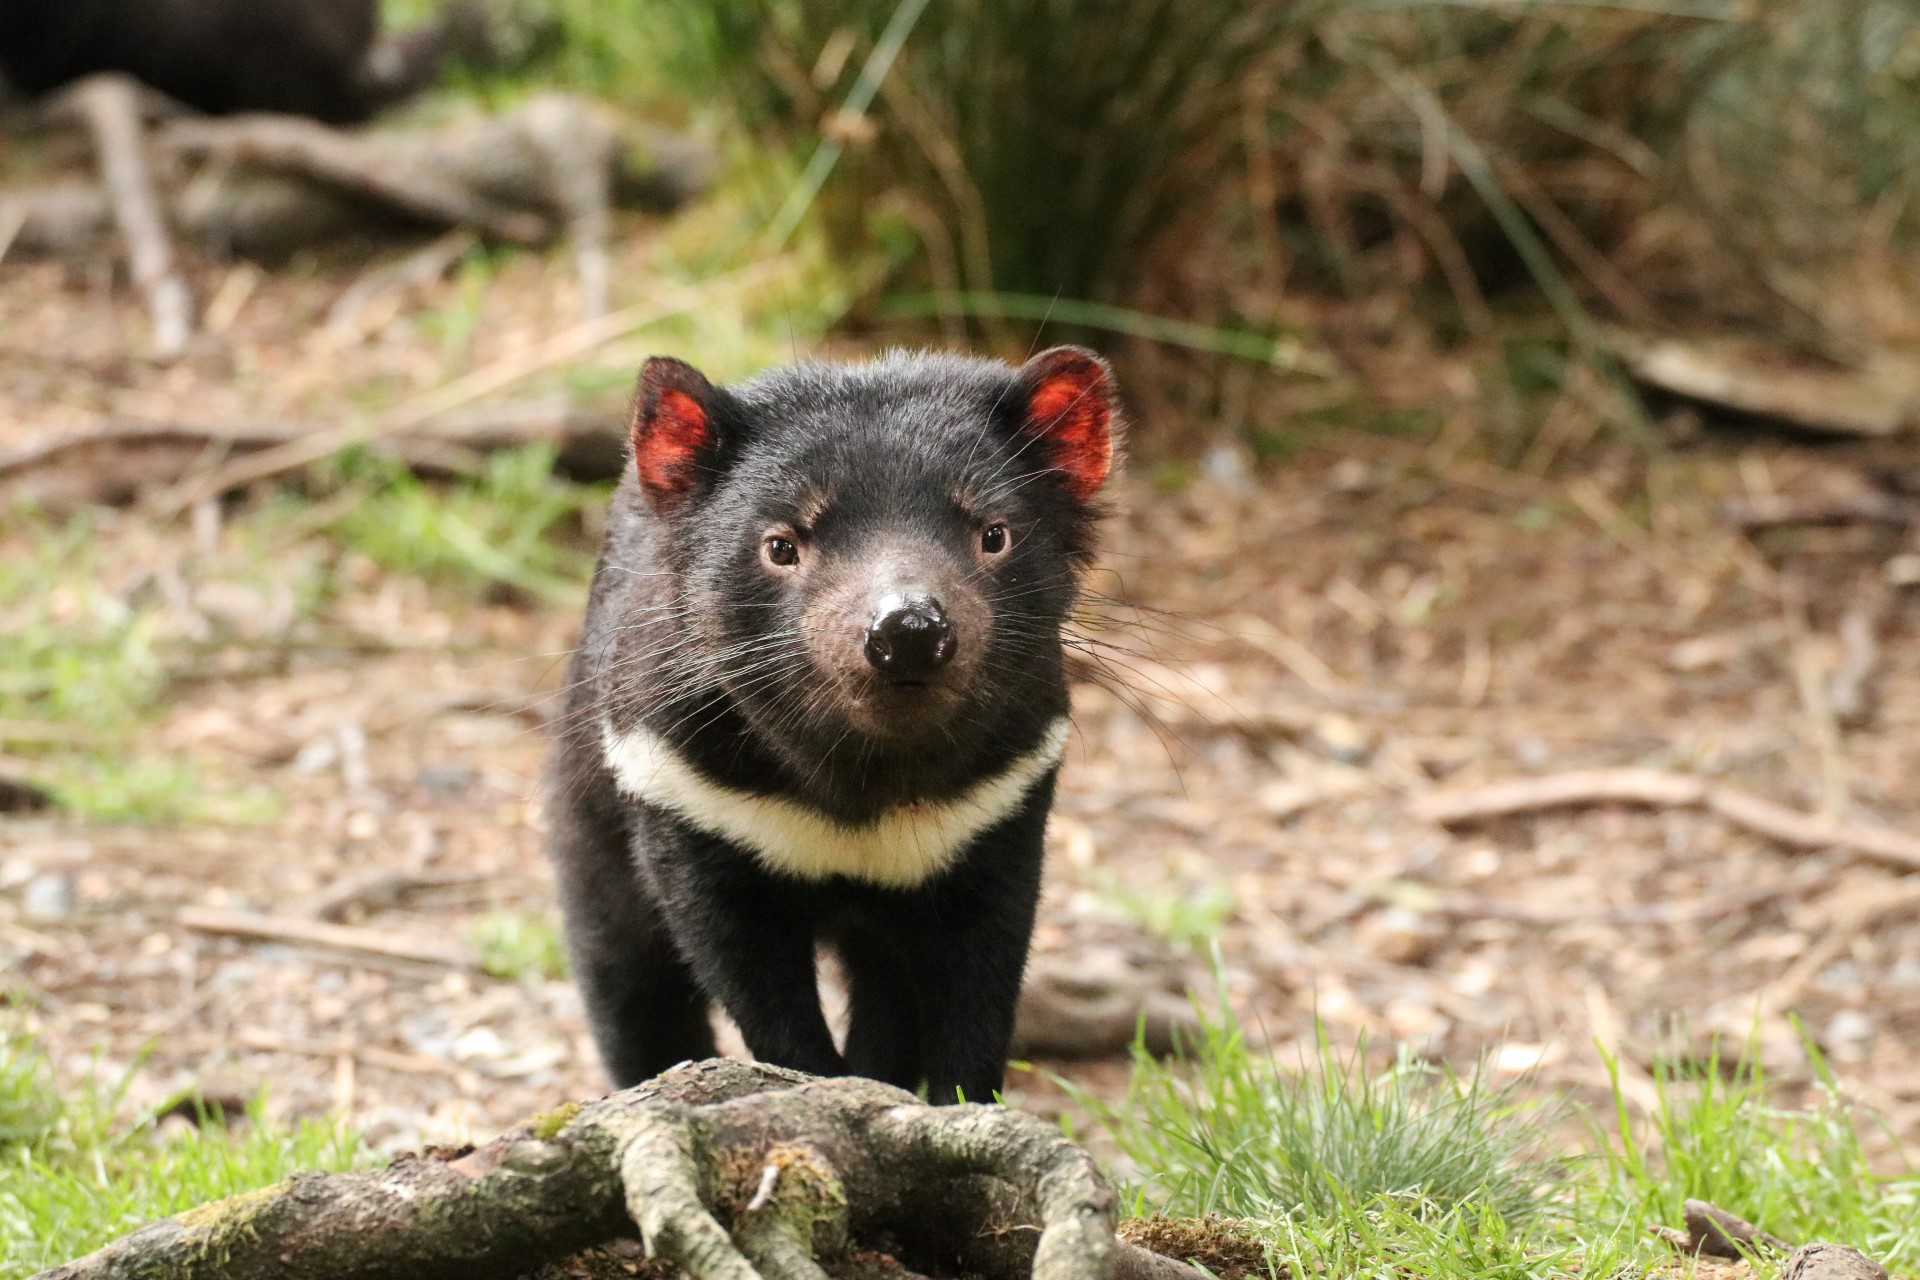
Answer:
(820, 700)
(319, 58)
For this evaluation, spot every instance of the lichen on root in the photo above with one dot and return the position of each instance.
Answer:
(729, 1170)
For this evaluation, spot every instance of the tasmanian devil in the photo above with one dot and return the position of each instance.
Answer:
(819, 700)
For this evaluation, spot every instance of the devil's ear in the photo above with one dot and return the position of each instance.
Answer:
(673, 429)
(1070, 412)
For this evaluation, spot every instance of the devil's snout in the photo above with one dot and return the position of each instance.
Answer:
(910, 637)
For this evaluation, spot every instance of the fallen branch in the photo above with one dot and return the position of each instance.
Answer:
(1866, 506)
(1879, 398)
(1092, 1003)
(359, 164)
(1658, 789)
(114, 461)
(730, 1171)
(265, 186)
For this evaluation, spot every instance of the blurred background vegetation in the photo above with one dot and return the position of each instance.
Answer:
(1370, 178)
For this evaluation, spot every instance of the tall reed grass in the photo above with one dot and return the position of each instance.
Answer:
(1637, 159)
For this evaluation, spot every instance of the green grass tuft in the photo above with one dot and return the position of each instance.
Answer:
(73, 1175)
(1719, 1135)
(70, 653)
(1224, 1129)
(1349, 1169)
(1188, 917)
(498, 529)
(516, 947)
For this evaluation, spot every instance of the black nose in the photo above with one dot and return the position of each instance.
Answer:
(909, 638)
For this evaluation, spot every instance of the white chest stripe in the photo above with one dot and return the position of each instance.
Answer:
(901, 848)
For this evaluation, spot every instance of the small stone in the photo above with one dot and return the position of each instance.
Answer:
(447, 780)
(49, 897)
(1402, 936)
(1353, 475)
(1849, 1035)
(1229, 464)
(479, 1043)
(1343, 738)
(1515, 1058)
(1281, 800)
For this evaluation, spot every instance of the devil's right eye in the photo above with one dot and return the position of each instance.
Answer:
(781, 552)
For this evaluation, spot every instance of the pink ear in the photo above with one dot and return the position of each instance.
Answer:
(1070, 407)
(671, 426)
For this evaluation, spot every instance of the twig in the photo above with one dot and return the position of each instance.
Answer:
(111, 106)
(1810, 675)
(383, 888)
(1647, 914)
(1845, 922)
(1660, 789)
(350, 940)
(13, 216)
(570, 344)
(1852, 685)
(1868, 506)
(262, 1041)
(1455, 806)
(345, 321)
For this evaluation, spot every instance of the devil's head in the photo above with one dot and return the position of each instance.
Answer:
(883, 552)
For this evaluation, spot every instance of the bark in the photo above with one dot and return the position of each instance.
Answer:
(731, 1171)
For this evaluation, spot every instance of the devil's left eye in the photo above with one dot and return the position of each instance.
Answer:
(993, 539)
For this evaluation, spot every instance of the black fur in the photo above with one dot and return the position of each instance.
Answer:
(307, 57)
(688, 633)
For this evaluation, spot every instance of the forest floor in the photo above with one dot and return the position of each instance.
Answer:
(267, 710)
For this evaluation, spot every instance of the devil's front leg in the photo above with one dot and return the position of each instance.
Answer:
(749, 939)
(968, 951)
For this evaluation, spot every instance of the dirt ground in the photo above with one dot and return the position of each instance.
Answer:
(1305, 654)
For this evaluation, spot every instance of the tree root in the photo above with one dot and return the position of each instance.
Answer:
(731, 1171)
